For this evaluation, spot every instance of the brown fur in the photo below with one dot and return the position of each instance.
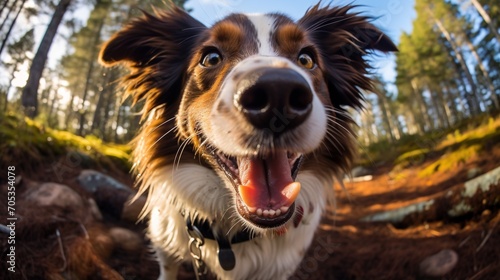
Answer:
(160, 58)
(164, 50)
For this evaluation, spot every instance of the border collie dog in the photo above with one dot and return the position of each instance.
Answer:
(245, 127)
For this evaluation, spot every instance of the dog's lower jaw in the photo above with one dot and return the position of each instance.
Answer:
(267, 257)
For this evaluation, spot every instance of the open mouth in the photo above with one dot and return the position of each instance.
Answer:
(265, 185)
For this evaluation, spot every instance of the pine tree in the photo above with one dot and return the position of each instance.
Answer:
(29, 97)
(18, 51)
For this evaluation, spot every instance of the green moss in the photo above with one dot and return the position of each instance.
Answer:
(450, 160)
(28, 143)
(445, 149)
(412, 156)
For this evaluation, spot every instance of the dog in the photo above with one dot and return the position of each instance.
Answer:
(245, 126)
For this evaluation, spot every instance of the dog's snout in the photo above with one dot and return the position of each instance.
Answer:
(275, 98)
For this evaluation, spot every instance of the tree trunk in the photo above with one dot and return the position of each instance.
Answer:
(386, 116)
(44, 97)
(397, 129)
(4, 5)
(69, 111)
(486, 18)
(88, 78)
(7, 35)
(29, 98)
(444, 106)
(469, 99)
(11, 7)
(460, 58)
(109, 92)
(5, 106)
(422, 107)
(366, 125)
(52, 107)
(486, 75)
(97, 118)
(412, 125)
(439, 116)
(450, 98)
(118, 122)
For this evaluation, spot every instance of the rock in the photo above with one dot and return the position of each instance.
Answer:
(472, 197)
(4, 229)
(18, 180)
(359, 174)
(349, 229)
(94, 210)
(360, 171)
(486, 213)
(53, 194)
(133, 208)
(93, 180)
(359, 179)
(439, 264)
(473, 172)
(103, 244)
(126, 239)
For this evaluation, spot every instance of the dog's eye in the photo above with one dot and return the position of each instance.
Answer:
(211, 59)
(306, 61)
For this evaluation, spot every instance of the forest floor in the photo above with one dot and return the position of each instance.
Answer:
(345, 247)
(368, 250)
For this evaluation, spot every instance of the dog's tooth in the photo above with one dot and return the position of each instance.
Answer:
(251, 209)
(278, 212)
(272, 212)
(259, 212)
(266, 213)
(284, 209)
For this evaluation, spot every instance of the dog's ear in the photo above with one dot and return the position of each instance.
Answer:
(157, 48)
(349, 29)
(343, 39)
(147, 39)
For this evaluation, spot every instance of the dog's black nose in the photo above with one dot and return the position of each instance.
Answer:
(278, 99)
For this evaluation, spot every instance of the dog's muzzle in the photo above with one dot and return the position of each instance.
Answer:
(265, 119)
(279, 99)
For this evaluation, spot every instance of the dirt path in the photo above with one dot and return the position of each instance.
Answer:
(344, 247)
(358, 250)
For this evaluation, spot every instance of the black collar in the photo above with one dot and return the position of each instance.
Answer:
(207, 232)
(226, 256)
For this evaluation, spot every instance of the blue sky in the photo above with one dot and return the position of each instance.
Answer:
(394, 17)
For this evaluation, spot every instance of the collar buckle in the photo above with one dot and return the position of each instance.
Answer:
(196, 241)
(198, 232)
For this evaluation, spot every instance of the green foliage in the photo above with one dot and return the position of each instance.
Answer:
(406, 159)
(440, 150)
(28, 144)
(17, 50)
(451, 160)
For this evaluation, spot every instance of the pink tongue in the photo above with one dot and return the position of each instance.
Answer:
(268, 183)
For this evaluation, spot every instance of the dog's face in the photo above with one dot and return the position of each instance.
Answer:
(256, 97)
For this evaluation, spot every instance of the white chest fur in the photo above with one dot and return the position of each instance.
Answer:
(196, 189)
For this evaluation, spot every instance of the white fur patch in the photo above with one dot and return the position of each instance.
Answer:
(264, 25)
(309, 134)
(192, 188)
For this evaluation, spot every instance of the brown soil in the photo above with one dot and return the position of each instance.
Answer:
(359, 250)
(345, 247)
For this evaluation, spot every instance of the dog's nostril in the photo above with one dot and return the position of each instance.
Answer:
(255, 99)
(300, 99)
(278, 99)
